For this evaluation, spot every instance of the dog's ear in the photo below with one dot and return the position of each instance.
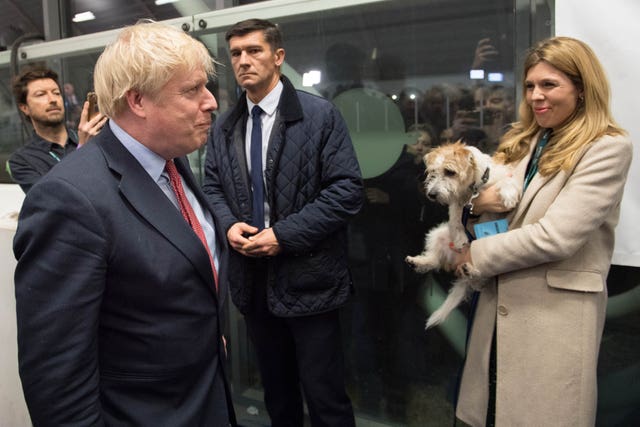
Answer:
(472, 159)
(426, 159)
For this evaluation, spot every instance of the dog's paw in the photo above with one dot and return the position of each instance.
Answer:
(467, 270)
(411, 260)
(510, 191)
(419, 264)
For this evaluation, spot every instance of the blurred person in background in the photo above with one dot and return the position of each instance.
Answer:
(38, 97)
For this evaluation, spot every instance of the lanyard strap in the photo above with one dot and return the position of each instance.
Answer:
(533, 166)
(54, 155)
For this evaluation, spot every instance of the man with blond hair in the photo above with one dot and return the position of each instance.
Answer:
(118, 287)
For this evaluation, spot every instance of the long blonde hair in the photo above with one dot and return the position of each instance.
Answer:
(591, 119)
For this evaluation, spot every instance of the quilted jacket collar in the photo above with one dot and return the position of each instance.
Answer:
(289, 106)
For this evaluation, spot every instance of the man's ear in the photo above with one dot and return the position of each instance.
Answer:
(279, 56)
(136, 103)
(24, 108)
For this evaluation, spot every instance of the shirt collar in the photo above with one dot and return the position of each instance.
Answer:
(150, 161)
(269, 103)
(48, 145)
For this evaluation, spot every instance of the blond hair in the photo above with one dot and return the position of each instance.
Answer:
(591, 119)
(144, 57)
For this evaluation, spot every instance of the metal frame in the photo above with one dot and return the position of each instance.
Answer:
(195, 24)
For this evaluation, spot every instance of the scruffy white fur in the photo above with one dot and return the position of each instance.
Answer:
(454, 173)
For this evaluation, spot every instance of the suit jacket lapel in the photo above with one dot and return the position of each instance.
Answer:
(146, 197)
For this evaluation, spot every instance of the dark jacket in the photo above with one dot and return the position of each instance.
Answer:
(118, 318)
(313, 187)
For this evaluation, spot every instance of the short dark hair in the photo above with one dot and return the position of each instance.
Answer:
(271, 31)
(26, 76)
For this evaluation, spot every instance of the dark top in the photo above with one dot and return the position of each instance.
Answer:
(32, 161)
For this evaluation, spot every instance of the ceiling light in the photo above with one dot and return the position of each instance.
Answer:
(84, 16)
(161, 2)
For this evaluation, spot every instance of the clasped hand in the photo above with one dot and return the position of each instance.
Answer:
(246, 239)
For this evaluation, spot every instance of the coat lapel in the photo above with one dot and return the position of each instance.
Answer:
(534, 186)
(146, 198)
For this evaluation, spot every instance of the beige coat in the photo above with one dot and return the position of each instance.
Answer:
(549, 295)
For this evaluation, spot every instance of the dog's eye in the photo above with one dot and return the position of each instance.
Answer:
(449, 172)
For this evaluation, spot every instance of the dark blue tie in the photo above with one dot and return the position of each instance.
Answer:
(256, 168)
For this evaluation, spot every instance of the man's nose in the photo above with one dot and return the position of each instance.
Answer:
(211, 104)
(244, 57)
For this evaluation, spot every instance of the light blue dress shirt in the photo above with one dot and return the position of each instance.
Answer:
(154, 165)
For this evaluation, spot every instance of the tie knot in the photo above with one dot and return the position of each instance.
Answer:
(256, 111)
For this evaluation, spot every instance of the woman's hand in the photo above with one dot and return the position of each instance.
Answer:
(489, 200)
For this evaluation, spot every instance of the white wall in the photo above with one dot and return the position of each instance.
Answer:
(13, 410)
(11, 196)
(612, 30)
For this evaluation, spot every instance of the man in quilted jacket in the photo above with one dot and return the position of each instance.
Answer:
(284, 181)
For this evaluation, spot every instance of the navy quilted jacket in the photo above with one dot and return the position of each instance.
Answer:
(313, 187)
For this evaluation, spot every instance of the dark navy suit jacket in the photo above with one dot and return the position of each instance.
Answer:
(118, 318)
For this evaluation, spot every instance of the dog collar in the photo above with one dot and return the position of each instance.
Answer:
(475, 187)
(467, 210)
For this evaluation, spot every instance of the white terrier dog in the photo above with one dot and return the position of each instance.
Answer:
(455, 175)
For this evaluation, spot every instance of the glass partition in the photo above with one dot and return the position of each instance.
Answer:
(10, 124)
(401, 74)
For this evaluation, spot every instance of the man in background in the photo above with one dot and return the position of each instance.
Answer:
(283, 178)
(38, 97)
(118, 287)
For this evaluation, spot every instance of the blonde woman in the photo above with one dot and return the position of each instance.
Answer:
(533, 345)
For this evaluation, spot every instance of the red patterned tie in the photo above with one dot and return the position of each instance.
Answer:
(187, 211)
